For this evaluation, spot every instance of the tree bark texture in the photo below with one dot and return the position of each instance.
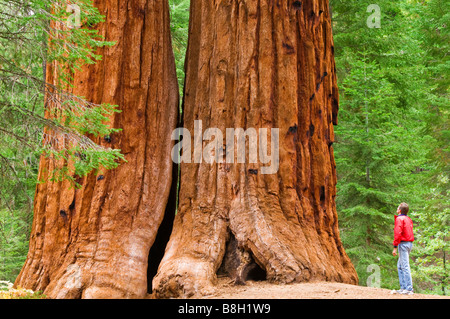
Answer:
(259, 64)
(94, 242)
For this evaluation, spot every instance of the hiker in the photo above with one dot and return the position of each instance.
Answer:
(403, 241)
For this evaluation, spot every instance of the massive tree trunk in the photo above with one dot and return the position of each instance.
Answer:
(94, 242)
(259, 64)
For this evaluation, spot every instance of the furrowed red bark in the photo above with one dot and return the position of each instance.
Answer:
(259, 64)
(94, 242)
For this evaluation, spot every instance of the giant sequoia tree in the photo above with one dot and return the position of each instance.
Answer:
(259, 64)
(94, 242)
(250, 65)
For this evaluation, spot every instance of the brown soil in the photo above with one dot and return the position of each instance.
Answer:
(314, 290)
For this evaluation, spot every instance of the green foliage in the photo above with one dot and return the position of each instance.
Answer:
(14, 232)
(389, 79)
(434, 219)
(179, 26)
(74, 46)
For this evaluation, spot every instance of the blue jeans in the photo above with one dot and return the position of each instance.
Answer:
(404, 271)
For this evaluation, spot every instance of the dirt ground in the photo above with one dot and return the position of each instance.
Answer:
(314, 290)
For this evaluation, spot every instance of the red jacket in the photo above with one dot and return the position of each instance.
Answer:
(403, 230)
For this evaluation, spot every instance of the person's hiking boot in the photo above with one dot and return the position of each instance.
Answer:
(407, 292)
(394, 292)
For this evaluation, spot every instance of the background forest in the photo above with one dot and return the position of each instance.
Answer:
(392, 141)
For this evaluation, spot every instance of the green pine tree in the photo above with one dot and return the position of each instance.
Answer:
(381, 146)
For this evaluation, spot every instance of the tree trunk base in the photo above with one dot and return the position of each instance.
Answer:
(284, 250)
(255, 65)
(188, 278)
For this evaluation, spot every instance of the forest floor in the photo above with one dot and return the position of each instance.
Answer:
(313, 290)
